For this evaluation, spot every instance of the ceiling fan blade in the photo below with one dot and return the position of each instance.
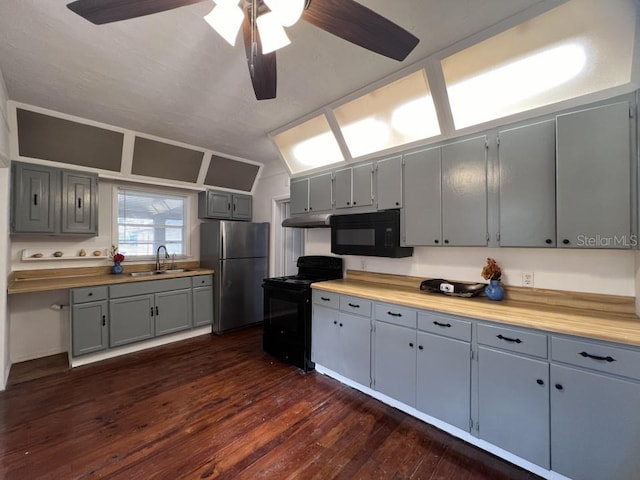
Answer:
(107, 11)
(262, 67)
(357, 24)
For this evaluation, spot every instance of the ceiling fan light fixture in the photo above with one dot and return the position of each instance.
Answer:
(226, 19)
(272, 35)
(288, 12)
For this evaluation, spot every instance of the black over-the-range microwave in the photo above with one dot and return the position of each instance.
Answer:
(374, 234)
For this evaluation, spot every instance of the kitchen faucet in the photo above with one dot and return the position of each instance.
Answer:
(166, 255)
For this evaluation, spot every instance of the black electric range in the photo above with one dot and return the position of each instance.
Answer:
(287, 309)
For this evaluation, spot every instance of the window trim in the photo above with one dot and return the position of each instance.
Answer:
(152, 191)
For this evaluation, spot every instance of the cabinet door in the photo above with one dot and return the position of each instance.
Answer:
(527, 158)
(354, 346)
(242, 207)
(34, 195)
(343, 185)
(299, 196)
(218, 204)
(422, 220)
(389, 183)
(514, 404)
(79, 203)
(362, 185)
(443, 386)
(464, 193)
(320, 193)
(130, 319)
(594, 178)
(202, 306)
(89, 331)
(172, 311)
(595, 427)
(394, 370)
(324, 337)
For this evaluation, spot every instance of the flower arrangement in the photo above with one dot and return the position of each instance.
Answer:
(117, 257)
(491, 271)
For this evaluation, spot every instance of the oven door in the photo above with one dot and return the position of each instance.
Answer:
(287, 324)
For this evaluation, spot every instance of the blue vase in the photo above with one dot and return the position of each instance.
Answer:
(494, 290)
(117, 268)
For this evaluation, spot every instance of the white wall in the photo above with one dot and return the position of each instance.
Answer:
(596, 271)
(4, 233)
(35, 329)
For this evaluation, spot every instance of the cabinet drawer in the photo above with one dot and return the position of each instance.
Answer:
(405, 317)
(604, 358)
(202, 280)
(355, 305)
(445, 325)
(89, 294)
(519, 341)
(327, 299)
(148, 286)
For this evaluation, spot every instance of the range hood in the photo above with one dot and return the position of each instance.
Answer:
(311, 220)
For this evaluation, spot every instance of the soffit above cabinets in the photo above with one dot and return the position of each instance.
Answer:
(45, 135)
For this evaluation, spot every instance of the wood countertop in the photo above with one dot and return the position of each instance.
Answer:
(29, 281)
(602, 317)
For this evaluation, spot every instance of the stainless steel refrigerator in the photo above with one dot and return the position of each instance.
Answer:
(238, 252)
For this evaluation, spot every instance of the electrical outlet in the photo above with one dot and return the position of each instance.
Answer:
(363, 265)
(527, 279)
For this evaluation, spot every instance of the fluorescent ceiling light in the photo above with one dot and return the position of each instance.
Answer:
(366, 135)
(226, 19)
(318, 151)
(272, 35)
(409, 118)
(288, 12)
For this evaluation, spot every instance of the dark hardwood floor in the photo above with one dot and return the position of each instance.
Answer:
(218, 407)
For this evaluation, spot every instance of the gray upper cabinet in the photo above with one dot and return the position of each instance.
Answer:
(52, 201)
(79, 203)
(527, 163)
(320, 193)
(594, 178)
(422, 224)
(299, 195)
(343, 187)
(362, 190)
(34, 198)
(224, 205)
(389, 183)
(464, 192)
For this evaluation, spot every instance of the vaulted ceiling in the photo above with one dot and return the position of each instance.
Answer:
(171, 75)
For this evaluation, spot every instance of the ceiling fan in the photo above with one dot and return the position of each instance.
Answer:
(346, 19)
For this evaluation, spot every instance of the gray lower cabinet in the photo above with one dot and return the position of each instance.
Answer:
(341, 341)
(443, 385)
(389, 183)
(173, 311)
(202, 306)
(513, 404)
(90, 332)
(527, 183)
(464, 193)
(422, 212)
(394, 366)
(131, 319)
(594, 178)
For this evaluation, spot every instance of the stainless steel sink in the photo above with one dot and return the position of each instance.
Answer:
(158, 272)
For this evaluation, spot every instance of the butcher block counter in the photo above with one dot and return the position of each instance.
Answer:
(27, 281)
(603, 317)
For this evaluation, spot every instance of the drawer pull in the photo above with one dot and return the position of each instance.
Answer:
(507, 339)
(325, 299)
(420, 347)
(411, 344)
(446, 325)
(91, 294)
(104, 320)
(394, 314)
(540, 381)
(353, 305)
(598, 357)
(335, 322)
(559, 386)
(341, 325)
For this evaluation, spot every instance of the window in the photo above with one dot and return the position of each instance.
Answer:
(147, 220)
(393, 115)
